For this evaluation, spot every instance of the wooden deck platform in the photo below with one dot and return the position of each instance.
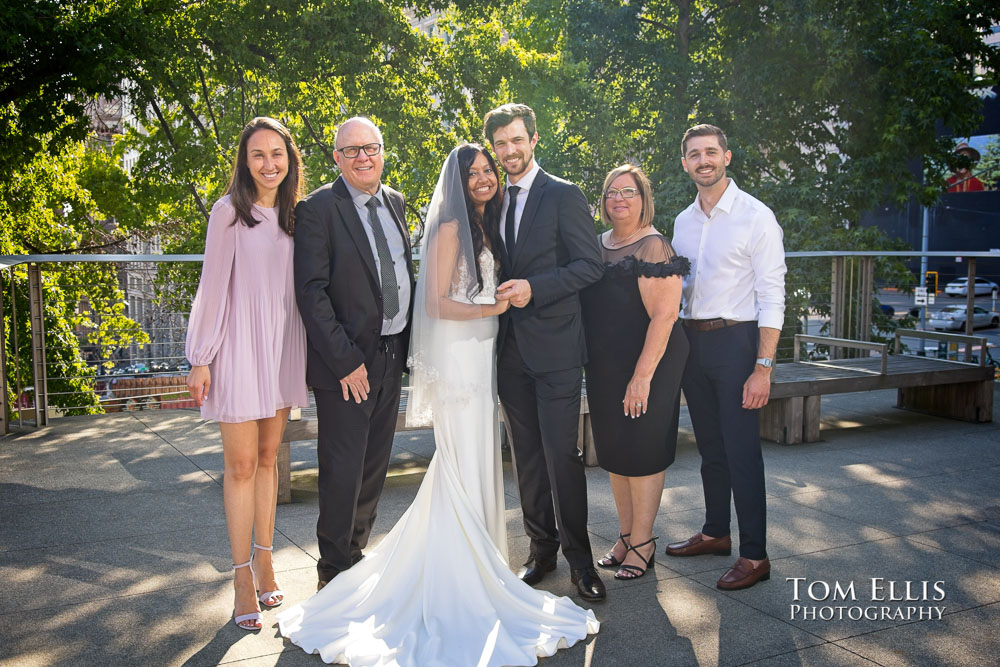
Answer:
(943, 387)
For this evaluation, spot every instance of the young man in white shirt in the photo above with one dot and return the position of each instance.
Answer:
(734, 305)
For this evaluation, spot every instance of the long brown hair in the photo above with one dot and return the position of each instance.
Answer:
(242, 190)
(486, 226)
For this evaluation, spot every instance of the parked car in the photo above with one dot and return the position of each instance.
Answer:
(960, 287)
(953, 318)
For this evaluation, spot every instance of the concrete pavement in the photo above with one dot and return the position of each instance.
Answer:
(113, 548)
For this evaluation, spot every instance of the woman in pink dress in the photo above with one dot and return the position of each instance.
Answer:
(246, 345)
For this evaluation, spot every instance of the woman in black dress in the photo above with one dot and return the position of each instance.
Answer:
(637, 357)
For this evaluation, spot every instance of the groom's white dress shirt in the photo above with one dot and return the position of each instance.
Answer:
(522, 196)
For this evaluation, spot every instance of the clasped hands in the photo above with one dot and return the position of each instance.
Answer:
(517, 291)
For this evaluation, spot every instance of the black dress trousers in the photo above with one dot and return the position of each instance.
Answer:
(728, 436)
(543, 415)
(358, 438)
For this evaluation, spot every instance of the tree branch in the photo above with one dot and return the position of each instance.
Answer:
(656, 24)
(188, 111)
(88, 248)
(208, 103)
(317, 139)
(165, 126)
(721, 8)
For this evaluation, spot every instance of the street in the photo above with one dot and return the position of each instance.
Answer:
(902, 303)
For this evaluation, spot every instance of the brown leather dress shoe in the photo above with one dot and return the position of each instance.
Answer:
(696, 546)
(744, 575)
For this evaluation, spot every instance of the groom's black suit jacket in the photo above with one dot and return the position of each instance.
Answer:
(337, 285)
(557, 252)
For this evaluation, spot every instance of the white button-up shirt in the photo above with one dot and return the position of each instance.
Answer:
(737, 260)
(522, 196)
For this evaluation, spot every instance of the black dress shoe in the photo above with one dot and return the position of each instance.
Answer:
(323, 579)
(534, 570)
(588, 584)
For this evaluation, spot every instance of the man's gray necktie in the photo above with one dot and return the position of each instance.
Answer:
(390, 288)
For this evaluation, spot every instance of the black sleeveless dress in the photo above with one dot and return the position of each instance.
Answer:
(615, 323)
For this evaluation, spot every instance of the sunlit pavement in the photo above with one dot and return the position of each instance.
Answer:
(113, 548)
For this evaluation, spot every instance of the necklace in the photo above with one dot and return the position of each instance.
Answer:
(612, 241)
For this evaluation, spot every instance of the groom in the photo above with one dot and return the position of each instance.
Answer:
(353, 284)
(549, 253)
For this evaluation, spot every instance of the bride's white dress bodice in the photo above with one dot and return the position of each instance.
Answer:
(466, 279)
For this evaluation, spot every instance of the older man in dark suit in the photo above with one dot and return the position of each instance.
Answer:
(549, 254)
(353, 284)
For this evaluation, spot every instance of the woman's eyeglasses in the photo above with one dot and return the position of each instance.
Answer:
(626, 193)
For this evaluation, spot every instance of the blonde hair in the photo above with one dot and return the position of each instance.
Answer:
(641, 183)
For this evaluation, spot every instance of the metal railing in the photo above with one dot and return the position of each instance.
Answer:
(101, 333)
(97, 333)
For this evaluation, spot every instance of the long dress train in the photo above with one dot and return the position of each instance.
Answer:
(437, 589)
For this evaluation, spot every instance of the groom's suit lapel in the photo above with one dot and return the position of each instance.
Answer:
(535, 195)
(349, 214)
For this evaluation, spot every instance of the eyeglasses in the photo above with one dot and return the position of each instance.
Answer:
(371, 150)
(626, 193)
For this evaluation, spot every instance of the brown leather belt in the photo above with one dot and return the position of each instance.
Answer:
(710, 325)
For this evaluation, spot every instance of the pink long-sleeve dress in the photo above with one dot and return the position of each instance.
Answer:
(244, 324)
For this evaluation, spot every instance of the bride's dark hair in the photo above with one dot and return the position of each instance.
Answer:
(486, 228)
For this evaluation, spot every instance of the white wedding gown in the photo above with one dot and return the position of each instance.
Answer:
(437, 590)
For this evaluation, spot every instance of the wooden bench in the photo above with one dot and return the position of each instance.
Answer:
(942, 387)
(305, 427)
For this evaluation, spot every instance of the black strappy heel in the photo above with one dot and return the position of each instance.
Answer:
(609, 561)
(634, 571)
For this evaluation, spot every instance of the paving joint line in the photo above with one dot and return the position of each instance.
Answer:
(728, 595)
(906, 623)
(110, 598)
(174, 447)
(798, 650)
(104, 541)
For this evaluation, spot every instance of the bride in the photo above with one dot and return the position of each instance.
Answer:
(437, 590)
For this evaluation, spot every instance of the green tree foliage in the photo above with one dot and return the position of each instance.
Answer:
(826, 102)
(53, 205)
(831, 106)
(55, 55)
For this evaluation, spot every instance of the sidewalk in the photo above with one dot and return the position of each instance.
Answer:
(113, 548)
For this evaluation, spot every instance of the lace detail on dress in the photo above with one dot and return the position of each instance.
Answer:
(465, 281)
(491, 273)
(442, 381)
(630, 266)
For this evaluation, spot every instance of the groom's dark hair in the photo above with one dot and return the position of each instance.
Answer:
(505, 115)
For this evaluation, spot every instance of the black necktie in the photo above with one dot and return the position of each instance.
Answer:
(512, 190)
(390, 289)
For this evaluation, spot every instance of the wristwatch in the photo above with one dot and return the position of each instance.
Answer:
(765, 362)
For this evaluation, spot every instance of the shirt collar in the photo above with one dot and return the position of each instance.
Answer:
(725, 202)
(361, 198)
(527, 179)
